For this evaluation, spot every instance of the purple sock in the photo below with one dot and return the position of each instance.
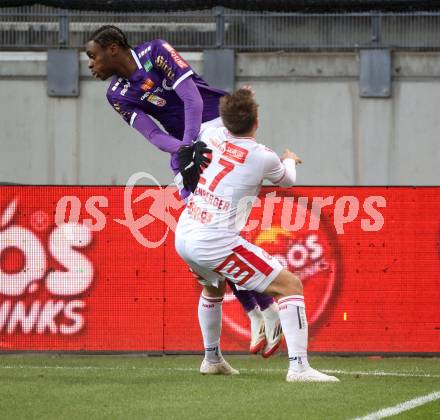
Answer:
(245, 297)
(264, 301)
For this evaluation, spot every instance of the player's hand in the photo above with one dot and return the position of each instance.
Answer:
(193, 159)
(288, 154)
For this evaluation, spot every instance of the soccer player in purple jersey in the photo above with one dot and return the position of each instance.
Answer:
(153, 80)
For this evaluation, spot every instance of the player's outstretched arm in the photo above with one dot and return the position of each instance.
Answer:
(154, 134)
(145, 125)
(282, 173)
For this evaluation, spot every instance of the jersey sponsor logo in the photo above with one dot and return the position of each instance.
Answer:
(148, 65)
(175, 56)
(162, 64)
(232, 151)
(158, 89)
(147, 84)
(235, 152)
(156, 100)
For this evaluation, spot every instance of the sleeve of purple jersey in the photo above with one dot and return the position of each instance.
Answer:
(151, 131)
(146, 126)
(193, 105)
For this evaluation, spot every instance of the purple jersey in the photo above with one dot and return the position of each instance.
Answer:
(151, 88)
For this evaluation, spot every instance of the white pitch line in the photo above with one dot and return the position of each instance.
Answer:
(159, 369)
(399, 408)
(189, 369)
(381, 373)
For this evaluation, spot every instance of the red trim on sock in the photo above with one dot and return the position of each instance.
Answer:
(212, 299)
(290, 299)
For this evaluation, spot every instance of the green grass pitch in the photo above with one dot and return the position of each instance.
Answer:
(35, 386)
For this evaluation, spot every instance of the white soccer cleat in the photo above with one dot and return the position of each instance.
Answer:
(220, 368)
(258, 337)
(309, 375)
(274, 335)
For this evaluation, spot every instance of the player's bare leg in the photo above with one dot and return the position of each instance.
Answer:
(288, 289)
(210, 319)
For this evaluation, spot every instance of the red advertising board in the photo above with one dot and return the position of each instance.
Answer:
(94, 268)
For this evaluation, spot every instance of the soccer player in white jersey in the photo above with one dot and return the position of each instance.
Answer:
(208, 235)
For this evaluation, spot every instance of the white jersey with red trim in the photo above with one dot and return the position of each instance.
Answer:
(222, 201)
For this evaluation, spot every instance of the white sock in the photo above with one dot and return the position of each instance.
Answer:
(210, 320)
(255, 317)
(294, 323)
(271, 313)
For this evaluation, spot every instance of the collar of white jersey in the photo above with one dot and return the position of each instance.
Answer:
(228, 134)
(136, 58)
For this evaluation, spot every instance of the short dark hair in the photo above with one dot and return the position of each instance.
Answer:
(239, 111)
(109, 34)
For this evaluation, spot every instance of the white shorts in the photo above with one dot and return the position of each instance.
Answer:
(243, 263)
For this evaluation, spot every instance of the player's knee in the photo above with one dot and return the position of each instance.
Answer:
(214, 292)
(285, 284)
